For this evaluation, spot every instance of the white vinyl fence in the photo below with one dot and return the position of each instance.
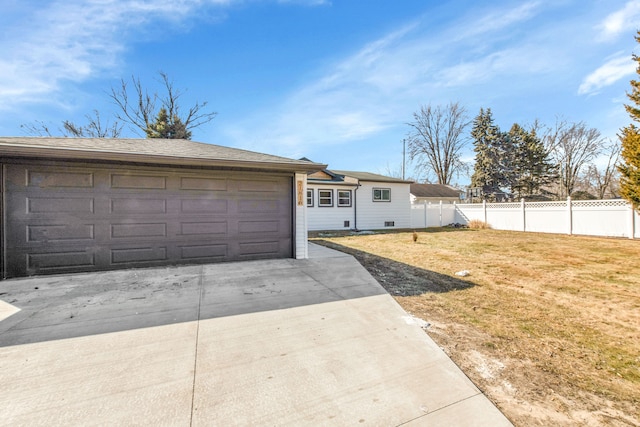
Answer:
(610, 218)
(432, 215)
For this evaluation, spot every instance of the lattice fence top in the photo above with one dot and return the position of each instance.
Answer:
(598, 203)
(504, 205)
(542, 205)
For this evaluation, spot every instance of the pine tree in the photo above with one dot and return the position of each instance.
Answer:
(630, 138)
(488, 174)
(531, 166)
(167, 127)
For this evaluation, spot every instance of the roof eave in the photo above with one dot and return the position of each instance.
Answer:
(66, 153)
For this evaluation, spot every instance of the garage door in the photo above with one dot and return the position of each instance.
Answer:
(69, 218)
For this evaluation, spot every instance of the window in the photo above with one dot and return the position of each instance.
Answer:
(381, 194)
(325, 197)
(344, 198)
(310, 198)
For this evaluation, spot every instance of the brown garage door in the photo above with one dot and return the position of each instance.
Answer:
(69, 218)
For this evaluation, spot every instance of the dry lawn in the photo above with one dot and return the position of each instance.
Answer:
(547, 326)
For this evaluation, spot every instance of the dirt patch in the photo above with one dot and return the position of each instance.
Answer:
(555, 348)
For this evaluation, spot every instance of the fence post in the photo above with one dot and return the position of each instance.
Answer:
(524, 215)
(569, 216)
(440, 213)
(455, 213)
(632, 225)
(484, 209)
(425, 214)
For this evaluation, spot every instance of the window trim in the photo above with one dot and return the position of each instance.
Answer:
(320, 204)
(381, 190)
(310, 192)
(344, 205)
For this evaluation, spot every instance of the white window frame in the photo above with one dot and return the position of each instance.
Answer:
(381, 192)
(309, 197)
(341, 197)
(320, 197)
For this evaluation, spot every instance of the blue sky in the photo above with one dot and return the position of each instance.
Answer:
(335, 81)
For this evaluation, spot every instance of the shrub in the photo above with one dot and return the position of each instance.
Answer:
(478, 225)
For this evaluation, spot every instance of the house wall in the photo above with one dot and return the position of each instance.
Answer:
(373, 215)
(329, 218)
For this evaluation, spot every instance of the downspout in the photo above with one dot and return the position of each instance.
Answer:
(355, 207)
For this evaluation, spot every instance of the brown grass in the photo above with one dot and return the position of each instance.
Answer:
(548, 326)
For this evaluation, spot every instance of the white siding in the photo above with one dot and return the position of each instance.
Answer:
(330, 218)
(373, 215)
(301, 242)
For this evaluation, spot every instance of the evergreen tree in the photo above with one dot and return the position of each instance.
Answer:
(531, 165)
(489, 146)
(167, 127)
(630, 138)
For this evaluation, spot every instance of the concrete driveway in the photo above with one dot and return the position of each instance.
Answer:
(264, 343)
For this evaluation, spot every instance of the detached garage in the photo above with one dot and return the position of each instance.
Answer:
(75, 204)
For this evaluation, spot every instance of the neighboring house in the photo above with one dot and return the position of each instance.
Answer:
(81, 204)
(347, 200)
(434, 193)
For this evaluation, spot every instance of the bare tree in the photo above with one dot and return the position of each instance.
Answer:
(140, 109)
(572, 146)
(436, 139)
(605, 181)
(95, 128)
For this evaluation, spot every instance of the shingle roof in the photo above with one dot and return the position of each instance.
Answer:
(162, 151)
(367, 176)
(433, 190)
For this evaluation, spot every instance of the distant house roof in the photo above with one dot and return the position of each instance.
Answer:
(433, 190)
(367, 176)
(156, 151)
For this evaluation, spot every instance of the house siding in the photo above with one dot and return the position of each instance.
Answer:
(330, 217)
(373, 215)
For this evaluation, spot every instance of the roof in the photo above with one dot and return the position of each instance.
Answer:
(367, 176)
(433, 190)
(157, 151)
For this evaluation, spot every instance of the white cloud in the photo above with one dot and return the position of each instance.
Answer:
(75, 40)
(379, 86)
(621, 21)
(607, 74)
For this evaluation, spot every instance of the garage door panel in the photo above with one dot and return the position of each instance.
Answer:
(208, 228)
(54, 205)
(63, 260)
(59, 179)
(267, 248)
(215, 252)
(203, 184)
(139, 182)
(138, 205)
(60, 233)
(82, 218)
(261, 227)
(143, 254)
(262, 186)
(127, 231)
(202, 205)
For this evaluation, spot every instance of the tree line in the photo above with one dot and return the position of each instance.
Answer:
(535, 162)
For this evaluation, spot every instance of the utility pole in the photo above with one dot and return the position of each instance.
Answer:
(403, 154)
